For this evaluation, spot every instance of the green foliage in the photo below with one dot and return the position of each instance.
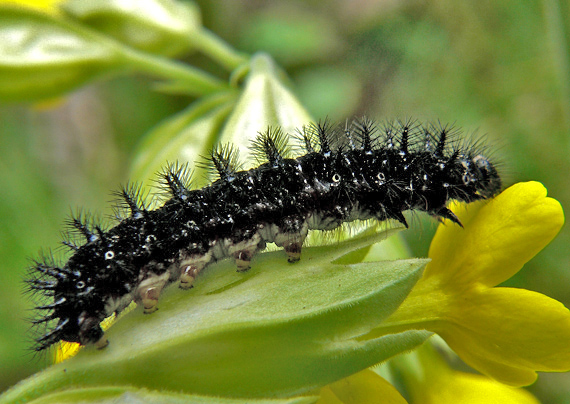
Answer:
(501, 67)
(44, 56)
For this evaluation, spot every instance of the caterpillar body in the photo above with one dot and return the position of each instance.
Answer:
(357, 171)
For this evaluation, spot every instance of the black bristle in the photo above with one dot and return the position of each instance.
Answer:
(176, 179)
(271, 145)
(39, 284)
(406, 128)
(442, 142)
(365, 131)
(130, 199)
(306, 136)
(82, 223)
(45, 319)
(49, 270)
(53, 305)
(71, 245)
(223, 162)
(324, 133)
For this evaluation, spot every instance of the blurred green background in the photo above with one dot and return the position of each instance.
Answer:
(495, 68)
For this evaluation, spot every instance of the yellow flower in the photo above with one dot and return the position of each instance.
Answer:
(432, 381)
(428, 379)
(466, 388)
(365, 387)
(45, 5)
(505, 333)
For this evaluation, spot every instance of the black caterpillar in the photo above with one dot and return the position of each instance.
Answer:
(355, 171)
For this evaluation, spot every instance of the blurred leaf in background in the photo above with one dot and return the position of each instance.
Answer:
(498, 68)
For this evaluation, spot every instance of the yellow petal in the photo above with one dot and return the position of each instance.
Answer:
(468, 388)
(326, 396)
(499, 237)
(429, 379)
(365, 387)
(64, 350)
(508, 334)
(46, 5)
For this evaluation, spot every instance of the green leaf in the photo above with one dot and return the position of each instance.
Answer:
(276, 331)
(164, 27)
(265, 101)
(113, 395)
(43, 55)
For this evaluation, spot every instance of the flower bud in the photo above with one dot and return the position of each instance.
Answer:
(43, 55)
(265, 101)
(162, 27)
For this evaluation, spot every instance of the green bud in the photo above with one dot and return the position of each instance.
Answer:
(44, 56)
(265, 101)
(164, 27)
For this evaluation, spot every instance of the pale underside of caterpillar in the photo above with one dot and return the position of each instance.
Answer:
(356, 171)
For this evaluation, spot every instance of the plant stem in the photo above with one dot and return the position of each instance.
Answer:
(193, 80)
(218, 50)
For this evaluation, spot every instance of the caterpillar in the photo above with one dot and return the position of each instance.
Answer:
(356, 171)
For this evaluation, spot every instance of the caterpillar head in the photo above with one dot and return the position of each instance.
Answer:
(479, 176)
(75, 313)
